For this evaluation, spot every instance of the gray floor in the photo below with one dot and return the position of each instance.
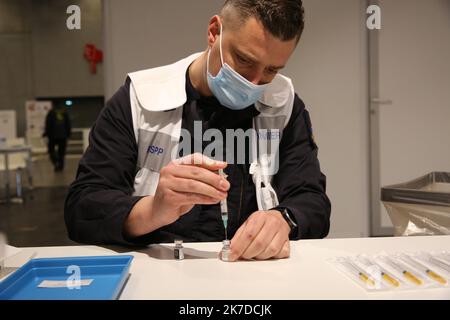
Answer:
(39, 220)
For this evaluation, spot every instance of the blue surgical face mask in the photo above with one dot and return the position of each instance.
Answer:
(230, 88)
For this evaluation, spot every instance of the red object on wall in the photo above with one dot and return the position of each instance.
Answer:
(93, 56)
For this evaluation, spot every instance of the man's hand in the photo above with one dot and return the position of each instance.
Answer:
(183, 183)
(186, 182)
(264, 235)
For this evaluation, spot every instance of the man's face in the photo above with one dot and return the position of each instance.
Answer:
(249, 49)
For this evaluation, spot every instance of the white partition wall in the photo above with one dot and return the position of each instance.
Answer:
(8, 124)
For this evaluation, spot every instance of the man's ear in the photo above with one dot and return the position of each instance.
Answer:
(213, 30)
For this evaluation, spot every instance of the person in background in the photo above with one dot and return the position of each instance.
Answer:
(57, 130)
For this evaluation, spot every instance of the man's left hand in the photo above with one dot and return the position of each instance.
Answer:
(264, 235)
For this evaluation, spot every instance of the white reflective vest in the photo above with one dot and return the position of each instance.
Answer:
(157, 97)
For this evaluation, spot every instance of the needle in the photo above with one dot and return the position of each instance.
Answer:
(224, 208)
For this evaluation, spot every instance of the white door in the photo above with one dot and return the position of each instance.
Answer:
(410, 91)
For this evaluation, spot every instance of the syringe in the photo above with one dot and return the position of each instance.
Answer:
(224, 209)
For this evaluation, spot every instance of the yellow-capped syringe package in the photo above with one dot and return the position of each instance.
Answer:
(396, 271)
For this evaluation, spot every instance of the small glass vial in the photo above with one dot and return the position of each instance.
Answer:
(179, 251)
(226, 250)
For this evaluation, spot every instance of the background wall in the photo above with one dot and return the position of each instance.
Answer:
(412, 70)
(16, 84)
(329, 70)
(141, 34)
(59, 67)
(40, 57)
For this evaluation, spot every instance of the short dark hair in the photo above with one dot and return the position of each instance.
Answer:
(282, 18)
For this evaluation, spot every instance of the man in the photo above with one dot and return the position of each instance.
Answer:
(57, 131)
(129, 190)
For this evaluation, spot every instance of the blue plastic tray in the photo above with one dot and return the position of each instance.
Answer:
(109, 275)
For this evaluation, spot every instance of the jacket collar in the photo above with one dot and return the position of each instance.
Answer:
(163, 88)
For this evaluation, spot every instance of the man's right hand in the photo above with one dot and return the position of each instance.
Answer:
(183, 183)
(186, 182)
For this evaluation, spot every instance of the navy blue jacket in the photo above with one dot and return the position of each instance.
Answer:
(100, 199)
